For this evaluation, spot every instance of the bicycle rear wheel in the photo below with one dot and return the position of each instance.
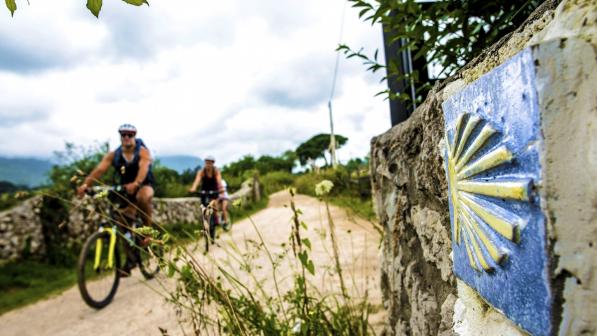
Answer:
(97, 280)
(149, 260)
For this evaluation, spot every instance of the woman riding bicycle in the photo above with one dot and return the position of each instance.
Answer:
(210, 179)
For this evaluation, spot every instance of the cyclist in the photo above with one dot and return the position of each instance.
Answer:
(132, 162)
(210, 179)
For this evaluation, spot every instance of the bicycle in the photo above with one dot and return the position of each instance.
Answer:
(210, 217)
(100, 261)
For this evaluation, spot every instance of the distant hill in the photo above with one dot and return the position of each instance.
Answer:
(33, 172)
(24, 171)
(180, 162)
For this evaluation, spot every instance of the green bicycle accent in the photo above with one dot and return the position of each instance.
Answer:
(104, 257)
(98, 249)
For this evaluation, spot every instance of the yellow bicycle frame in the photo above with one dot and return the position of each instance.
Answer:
(98, 249)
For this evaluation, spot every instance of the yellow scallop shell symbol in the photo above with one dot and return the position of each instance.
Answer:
(476, 219)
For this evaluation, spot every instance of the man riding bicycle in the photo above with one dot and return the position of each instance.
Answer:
(210, 179)
(132, 162)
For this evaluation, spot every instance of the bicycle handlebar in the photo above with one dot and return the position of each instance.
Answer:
(205, 192)
(99, 189)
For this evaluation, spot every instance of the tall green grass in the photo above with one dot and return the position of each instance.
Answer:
(27, 281)
(229, 295)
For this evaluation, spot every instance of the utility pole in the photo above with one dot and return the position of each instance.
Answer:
(332, 137)
(332, 146)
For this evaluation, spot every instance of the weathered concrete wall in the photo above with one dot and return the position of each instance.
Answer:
(567, 75)
(409, 184)
(22, 227)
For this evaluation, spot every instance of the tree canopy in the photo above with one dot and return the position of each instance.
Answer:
(443, 35)
(94, 6)
(264, 164)
(316, 147)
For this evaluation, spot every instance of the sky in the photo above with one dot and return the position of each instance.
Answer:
(227, 77)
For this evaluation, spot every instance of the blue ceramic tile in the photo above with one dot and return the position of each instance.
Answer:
(492, 159)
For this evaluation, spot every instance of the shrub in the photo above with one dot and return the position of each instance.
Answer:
(276, 181)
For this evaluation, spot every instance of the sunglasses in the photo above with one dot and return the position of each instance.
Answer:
(127, 135)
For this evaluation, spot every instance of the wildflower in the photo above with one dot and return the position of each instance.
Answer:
(323, 187)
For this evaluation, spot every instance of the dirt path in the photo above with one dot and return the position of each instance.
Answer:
(139, 310)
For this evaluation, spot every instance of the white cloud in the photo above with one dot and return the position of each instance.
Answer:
(229, 78)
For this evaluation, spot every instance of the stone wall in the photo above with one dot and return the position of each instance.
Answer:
(420, 291)
(23, 231)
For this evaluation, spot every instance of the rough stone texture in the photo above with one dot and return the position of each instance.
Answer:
(410, 189)
(410, 192)
(21, 227)
(21, 230)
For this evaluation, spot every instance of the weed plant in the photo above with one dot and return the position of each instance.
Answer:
(236, 294)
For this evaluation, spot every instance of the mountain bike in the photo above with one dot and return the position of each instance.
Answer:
(100, 261)
(211, 216)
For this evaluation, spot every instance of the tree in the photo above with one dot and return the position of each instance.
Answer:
(316, 146)
(74, 161)
(443, 34)
(237, 168)
(94, 6)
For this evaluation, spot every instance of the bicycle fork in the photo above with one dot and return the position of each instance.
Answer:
(111, 248)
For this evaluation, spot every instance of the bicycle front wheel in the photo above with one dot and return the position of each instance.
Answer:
(149, 260)
(98, 278)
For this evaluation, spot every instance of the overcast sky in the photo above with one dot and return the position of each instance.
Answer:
(227, 77)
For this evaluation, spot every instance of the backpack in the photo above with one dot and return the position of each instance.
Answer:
(118, 160)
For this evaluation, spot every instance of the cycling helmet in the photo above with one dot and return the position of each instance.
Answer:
(210, 158)
(127, 128)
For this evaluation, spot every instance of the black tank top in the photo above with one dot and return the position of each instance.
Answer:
(128, 170)
(209, 183)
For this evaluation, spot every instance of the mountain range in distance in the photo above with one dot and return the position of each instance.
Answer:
(33, 172)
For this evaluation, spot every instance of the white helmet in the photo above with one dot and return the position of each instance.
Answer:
(210, 158)
(127, 128)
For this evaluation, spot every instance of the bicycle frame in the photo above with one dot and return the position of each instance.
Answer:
(111, 248)
(113, 231)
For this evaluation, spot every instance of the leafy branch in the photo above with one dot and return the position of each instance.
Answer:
(441, 35)
(94, 6)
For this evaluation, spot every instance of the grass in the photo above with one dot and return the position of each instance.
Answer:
(27, 281)
(236, 298)
(356, 205)
(184, 232)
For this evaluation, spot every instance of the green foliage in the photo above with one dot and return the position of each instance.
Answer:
(60, 250)
(227, 304)
(168, 182)
(11, 195)
(317, 146)
(248, 165)
(136, 2)
(12, 6)
(94, 6)
(27, 281)
(239, 167)
(352, 188)
(75, 163)
(276, 181)
(443, 34)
